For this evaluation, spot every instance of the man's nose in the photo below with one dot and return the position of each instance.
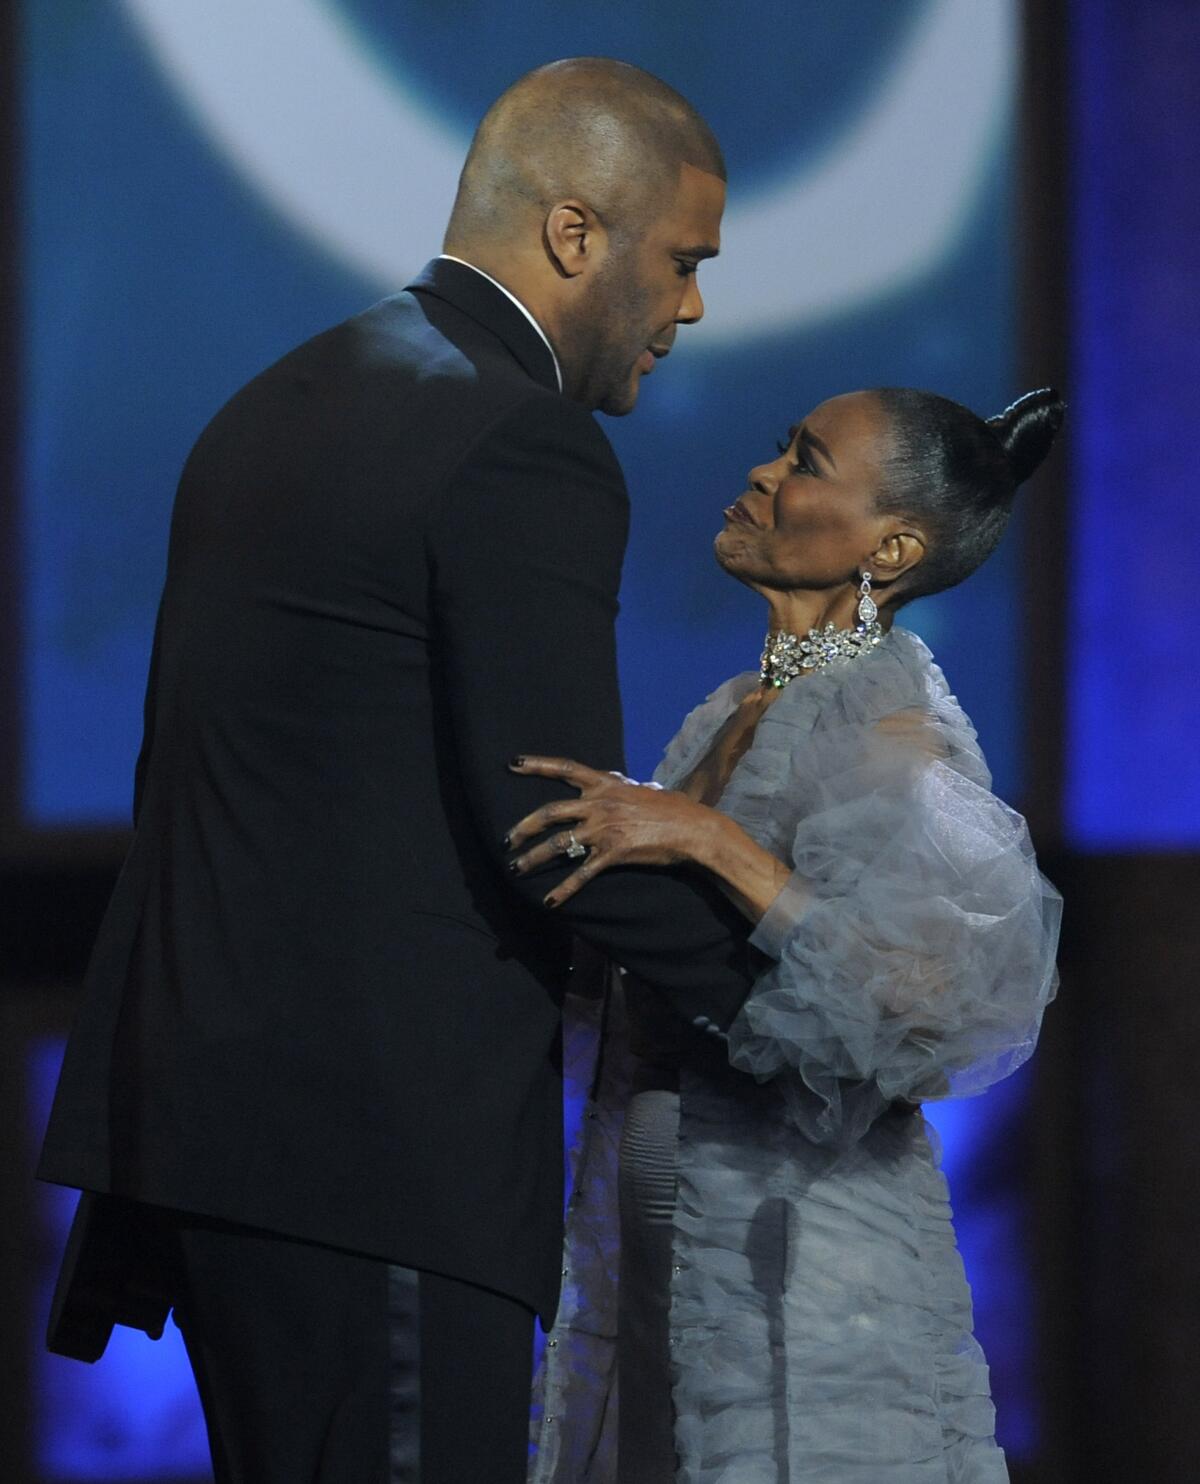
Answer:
(692, 307)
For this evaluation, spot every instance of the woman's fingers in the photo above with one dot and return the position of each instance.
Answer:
(562, 811)
(577, 774)
(594, 821)
(557, 845)
(556, 848)
(591, 868)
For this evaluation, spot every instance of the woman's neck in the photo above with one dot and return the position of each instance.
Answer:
(799, 610)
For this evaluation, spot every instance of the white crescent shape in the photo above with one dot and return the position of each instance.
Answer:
(293, 96)
(892, 195)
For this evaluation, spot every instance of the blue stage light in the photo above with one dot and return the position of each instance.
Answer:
(1133, 763)
(135, 1414)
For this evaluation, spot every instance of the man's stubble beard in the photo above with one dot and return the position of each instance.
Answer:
(605, 338)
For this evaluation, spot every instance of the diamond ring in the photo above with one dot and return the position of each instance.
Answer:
(575, 850)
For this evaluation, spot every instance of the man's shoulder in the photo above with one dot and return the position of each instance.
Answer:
(425, 379)
(448, 359)
(405, 335)
(432, 355)
(433, 340)
(397, 357)
(535, 427)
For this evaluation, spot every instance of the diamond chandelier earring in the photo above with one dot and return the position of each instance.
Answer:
(867, 611)
(787, 655)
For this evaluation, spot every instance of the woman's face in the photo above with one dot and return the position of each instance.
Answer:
(808, 518)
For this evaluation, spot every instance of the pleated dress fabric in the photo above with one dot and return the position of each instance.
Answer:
(818, 1317)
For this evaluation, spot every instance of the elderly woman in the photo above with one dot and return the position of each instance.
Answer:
(791, 1304)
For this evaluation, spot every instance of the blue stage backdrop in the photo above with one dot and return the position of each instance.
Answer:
(208, 183)
(1133, 780)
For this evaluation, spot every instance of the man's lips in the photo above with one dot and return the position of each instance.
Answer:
(738, 512)
(652, 353)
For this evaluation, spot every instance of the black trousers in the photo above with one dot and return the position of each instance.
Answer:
(317, 1366)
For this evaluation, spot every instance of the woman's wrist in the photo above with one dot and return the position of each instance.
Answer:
(710, 845)
(751, 876)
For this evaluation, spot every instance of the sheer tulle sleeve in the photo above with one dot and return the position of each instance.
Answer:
(915, 941)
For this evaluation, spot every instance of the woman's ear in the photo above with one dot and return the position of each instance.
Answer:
(897, 554)
(574, 238)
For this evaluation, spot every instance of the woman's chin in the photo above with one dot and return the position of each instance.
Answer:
(729, 548)
(732, 557)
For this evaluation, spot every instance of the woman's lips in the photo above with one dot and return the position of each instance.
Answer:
(737, 511)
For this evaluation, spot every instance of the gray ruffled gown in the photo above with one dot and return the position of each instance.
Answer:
(791, 1304)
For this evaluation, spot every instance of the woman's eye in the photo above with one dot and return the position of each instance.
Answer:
(799, 465)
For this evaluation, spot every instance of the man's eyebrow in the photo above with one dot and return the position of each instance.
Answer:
(806, 436)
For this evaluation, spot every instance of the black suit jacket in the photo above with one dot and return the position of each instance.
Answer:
(318, 1003)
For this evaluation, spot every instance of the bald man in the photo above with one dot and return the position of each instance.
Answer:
(314, 1090)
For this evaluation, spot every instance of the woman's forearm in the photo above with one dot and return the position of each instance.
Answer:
(750, 876)
(623, 823)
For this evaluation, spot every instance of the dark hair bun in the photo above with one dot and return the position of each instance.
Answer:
(1027, 429)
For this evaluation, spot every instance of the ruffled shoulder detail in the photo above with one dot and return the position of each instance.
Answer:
(766, 790)
(700, 726)
(803, 735)
(915, 940)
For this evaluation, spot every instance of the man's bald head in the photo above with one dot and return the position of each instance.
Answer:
(592, 192)
(599, 131)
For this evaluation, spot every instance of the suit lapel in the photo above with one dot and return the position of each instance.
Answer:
(469, 291)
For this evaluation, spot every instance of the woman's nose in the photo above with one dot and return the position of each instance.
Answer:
(762, 479)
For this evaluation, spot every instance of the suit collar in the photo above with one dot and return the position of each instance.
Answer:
(469, 290)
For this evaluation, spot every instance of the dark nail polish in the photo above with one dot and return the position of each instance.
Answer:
(550, 901)
(507, 842)
(517, 762)
(514, 868)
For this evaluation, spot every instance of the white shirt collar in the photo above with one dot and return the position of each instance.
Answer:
(450, 258)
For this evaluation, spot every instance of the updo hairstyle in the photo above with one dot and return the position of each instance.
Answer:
(956, 475)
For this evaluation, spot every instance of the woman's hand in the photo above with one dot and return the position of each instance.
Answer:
(618, 823)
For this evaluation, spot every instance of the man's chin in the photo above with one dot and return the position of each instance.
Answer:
(621, 401)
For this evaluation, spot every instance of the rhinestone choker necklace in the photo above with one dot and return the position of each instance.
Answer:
(785, 655)
(789, 655)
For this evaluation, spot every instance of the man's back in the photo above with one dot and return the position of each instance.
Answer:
(322, 998)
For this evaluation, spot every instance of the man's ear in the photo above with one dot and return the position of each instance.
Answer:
(897, 554)
(574, 238)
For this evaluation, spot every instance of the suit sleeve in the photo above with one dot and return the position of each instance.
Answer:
(526, 549)
(149, 706)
